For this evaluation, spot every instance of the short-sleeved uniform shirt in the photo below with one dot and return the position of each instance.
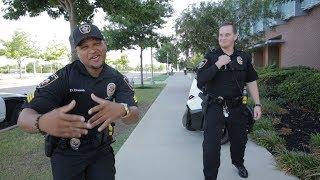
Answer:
(229, 80)
(73, 82)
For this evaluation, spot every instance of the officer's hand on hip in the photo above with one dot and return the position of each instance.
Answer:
(105, 112)
(257, 112)
(60, 124)
(223, 60)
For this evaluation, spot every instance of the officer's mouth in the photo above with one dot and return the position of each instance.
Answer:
(95, 58)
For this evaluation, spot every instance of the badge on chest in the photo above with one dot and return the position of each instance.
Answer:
(111, 88)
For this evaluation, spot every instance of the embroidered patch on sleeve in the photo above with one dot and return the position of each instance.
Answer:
(202, 63)
(48, 81)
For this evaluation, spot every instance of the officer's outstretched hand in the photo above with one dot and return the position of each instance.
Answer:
(60, 124)
(257, 112)
(105, 112)
(223, 60)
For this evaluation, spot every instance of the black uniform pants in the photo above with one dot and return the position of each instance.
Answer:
(214, 122)
(93, 165)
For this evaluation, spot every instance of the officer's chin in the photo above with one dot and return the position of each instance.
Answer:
(97, 66)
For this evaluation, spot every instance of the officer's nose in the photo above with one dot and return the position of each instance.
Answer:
(92, 50)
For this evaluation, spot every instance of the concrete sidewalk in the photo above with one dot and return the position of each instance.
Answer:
(161, 149)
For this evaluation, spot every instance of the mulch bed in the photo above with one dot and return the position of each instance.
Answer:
(296, 127)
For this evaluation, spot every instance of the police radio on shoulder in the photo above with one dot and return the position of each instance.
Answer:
(126, 108)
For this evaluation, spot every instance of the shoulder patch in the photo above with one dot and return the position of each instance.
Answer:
(202, 63)
(128, 83)
(48, 81)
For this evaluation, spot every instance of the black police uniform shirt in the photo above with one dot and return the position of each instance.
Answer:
(223, 81)
(73, 82)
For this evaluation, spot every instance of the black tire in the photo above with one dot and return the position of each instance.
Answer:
(225, 136)
(186, 120)
(15, 114)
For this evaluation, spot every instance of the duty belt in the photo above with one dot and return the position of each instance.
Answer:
(94, 139)
(229, 102)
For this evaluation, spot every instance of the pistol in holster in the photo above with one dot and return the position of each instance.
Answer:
(51, 144)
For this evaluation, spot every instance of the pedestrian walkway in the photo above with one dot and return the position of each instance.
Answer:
(161, 149)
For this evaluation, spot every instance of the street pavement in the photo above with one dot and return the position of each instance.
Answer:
(161, 148)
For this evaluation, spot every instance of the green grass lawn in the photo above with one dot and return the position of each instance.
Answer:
(22, 154)
(161, 77)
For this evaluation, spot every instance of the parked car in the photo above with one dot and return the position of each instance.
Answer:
(10, 107)
(193, 118)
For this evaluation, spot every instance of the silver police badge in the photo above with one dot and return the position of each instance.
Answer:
(239, 60)
(75, 143)
(85, 29)
(111, 88)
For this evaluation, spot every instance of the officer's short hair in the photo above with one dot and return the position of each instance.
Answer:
(234, 28)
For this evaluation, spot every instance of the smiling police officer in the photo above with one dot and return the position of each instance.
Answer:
(75, 107)
(223, 74)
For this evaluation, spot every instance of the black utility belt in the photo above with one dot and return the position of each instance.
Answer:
(229, 102)
(94, 140)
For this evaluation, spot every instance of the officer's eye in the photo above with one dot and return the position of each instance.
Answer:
(97, 44)
(83, 47)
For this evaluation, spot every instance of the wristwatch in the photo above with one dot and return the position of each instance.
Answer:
(126, 108)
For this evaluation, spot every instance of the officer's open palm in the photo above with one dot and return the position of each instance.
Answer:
(257, 112)
(104, 113)
(61, 124)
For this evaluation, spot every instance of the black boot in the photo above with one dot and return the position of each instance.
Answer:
(242, 171)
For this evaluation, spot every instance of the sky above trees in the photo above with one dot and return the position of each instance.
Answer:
(45, 30)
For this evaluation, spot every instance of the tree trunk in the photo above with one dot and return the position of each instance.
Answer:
(34, 68)
(69, 6)
(152, 82)
(141, 66)
(20, 69)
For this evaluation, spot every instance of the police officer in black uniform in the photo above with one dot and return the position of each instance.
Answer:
(74, 108)
(223, 74)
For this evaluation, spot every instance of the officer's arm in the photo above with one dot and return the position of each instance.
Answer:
(27, 120)
(133, 117)
(251, 79)
(206, 71)
(125, 94)
(254, 92)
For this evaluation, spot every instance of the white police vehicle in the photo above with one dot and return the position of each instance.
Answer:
(193, 118)
(10, 107)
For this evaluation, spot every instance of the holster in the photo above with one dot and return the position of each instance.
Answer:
(50, 145)
(205, 103)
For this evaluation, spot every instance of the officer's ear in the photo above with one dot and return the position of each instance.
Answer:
(236, 37)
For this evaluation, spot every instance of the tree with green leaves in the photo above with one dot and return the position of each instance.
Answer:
(18, 48)
(53, 52)
(74, 11)
(197, 27)
(121, 64)
(137, 28)
(168, 53)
